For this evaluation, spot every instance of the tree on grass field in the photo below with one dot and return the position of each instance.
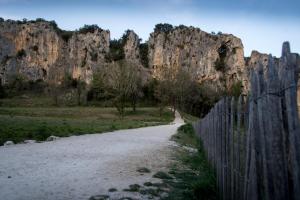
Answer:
(165, 89)
(120, 81)
(69, 85)
(176, 87)
(81, 91)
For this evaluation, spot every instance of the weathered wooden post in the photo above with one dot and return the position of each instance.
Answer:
(232, 149)
(288, 78)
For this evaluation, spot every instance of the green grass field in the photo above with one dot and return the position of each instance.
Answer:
(38, 123)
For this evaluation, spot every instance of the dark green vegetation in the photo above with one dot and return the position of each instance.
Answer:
(188, 118)
(165, 28)
(21, 53)
(220, 62)
(236, 89)
(89, 29)
(144, 54)
(21, 123)
(195, 179)
(180, 90)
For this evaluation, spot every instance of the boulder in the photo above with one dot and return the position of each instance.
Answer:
(29, 141)
(52, 138)
(8, 143)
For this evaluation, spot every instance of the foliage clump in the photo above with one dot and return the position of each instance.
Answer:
(119, 82)
(165, 28)
(236, 89)
(144, 54)
(116, 51)
(21, 53)
(220, 64)
(89, 29)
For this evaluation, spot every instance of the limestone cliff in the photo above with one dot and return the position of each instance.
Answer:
(215, 58)
(87, 53)
(39, 50)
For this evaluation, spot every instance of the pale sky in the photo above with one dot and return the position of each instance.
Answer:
(262, 25)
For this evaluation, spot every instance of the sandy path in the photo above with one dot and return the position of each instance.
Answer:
(81, 166)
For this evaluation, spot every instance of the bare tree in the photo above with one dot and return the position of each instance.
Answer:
(81, 90)
(165, 89)
(121, 81)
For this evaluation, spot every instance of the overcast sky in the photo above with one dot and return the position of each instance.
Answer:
(261, 24)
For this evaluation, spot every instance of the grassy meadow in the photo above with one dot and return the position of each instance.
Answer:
(38, 123)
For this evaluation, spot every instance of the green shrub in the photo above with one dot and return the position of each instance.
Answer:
(94, 56)
(116, 51)
(89, 29)
(66, 35)
(236, 89)
(40, 20)
(42, 133)
(220, 64)
(35, 48)
(144, 54)
(165, 28)
(2, 91)
(21, 53)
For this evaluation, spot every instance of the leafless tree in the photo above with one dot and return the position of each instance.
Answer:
(121, 81)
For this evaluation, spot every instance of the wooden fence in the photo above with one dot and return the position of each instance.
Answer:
(253, 142)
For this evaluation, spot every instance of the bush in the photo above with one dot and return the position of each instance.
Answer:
(40, 20)
(165, 28)
(116, 51)
(21, 53)
(94, 56)
(42, 133)
(2, 91)
(220, 64)
(236, 89)
(88, 29)
(144, 55)
(66, 35)
(17, 83)
(35, 48)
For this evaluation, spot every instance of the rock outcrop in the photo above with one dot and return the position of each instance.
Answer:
(40, 50)
(215, 58)
(87, 53)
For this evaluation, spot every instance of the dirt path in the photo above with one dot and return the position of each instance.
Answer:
(79, 167)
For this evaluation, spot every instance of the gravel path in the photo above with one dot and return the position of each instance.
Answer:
(78, 167)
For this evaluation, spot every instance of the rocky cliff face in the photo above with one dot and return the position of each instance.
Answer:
(30, 49)
(40, 50)
(214, 58)
(86, 53)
